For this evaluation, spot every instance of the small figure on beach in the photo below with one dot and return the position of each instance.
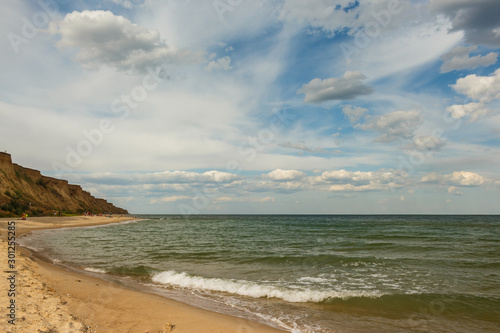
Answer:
(24, 216)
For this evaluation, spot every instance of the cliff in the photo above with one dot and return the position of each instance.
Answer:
(24, 190)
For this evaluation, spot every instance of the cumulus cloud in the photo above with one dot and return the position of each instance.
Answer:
(284, 175)
(103, 38)
(393, 126)
(459, 58)
(289, 181)
(349, 86)
(478, 19)
(457, 178)
(357, 181)
(472, 110)
(483, 89)
(480, 88)
(178, 186)
(354, 113)
(428, 143)
(223, 63)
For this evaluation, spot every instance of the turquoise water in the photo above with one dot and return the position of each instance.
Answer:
(306, 273)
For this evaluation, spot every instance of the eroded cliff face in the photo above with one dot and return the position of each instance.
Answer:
(24, 190)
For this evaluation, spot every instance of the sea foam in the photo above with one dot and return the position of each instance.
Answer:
(94, 270)
(252, 289)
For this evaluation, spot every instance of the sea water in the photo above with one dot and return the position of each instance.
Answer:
(305, 273)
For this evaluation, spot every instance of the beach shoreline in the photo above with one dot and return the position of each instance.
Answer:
(52, 298)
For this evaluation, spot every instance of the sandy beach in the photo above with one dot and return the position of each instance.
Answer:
(50, 298)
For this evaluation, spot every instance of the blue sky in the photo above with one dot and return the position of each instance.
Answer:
(190, 106)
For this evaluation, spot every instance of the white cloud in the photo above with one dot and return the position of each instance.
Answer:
(349, 86)
(103, 38)
(457, 178)
(184, 187)
(393, 126)
(465, 178)
(223, 63)
(428, 143)
(292, 181)
(358, 181)
(472, 110)
(343, 175)
(454, 190)
(480, 88)
(284, 175)
(354, 113)
(459, 58)
(483, 89)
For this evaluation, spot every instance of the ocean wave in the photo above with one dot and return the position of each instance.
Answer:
(253, 289)
(94, 270)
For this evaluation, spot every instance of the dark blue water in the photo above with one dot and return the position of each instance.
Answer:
(307, 273)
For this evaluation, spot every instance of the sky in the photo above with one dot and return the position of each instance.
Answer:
(258, 107)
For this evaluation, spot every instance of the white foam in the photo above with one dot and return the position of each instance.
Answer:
(94, 270)
(314, 279)
(252, 289)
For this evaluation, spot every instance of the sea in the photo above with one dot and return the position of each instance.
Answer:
(325, 273)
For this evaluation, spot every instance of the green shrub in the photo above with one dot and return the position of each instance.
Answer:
(41, 182)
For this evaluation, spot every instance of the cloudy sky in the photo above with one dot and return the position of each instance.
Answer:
(270, 106)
